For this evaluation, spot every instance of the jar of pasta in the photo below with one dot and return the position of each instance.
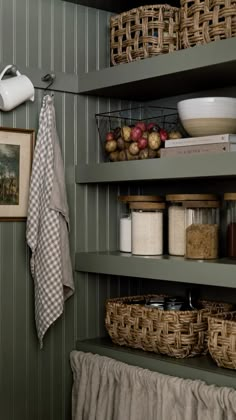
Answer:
(202, 232)
(179, 218)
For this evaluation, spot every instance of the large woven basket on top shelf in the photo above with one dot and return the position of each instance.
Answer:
(203, 21)
(144, 32)
(175, 333)
(222, 339)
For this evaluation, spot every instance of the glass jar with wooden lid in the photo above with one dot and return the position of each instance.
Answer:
(180, 217)
(202, 227)
(147, 228)
(230, 199)
(125, 218)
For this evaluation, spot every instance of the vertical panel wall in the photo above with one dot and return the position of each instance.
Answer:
(62, 37)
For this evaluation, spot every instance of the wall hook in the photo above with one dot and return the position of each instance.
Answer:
(50, 77)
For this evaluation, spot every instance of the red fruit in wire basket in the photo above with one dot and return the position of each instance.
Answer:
(163, 134)
(152, 127)
(136, 133)
(109, 136)
(142, 143)
(141, 125)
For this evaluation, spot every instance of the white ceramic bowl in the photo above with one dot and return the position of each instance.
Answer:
(208, 116)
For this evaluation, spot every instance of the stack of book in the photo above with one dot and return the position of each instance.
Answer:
(199, 145)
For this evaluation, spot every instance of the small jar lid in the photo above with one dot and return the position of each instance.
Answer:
(191, 197)
(147, 206)
(230, 196)
(201, 204)
(139, 198)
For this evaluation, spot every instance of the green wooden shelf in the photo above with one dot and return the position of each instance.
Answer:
(190, 70)
(204, 166)
(221, 273)
(202, 367)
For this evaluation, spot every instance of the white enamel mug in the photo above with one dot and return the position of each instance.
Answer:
(15, 90)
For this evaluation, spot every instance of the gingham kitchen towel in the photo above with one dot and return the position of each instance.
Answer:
(48, 225)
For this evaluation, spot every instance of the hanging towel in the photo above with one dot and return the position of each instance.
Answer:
(48, 225)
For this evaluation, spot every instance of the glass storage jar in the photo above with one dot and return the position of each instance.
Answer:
(147, 228)
(125, 219)
(202, 231)
(125, 233)
(230, 199)
(179, 219)
(176, 224)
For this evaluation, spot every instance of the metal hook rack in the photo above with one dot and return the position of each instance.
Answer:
(49, 77)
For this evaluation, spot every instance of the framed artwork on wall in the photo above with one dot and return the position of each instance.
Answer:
(16, 154)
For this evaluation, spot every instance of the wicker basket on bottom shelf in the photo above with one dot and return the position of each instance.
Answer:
(222, 339)
(178, 334)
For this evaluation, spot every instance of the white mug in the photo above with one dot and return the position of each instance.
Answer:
(15, 90)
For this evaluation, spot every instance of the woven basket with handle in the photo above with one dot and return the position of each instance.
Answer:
(203, 21)
(222, 339)
(144, 32)
(175, 333)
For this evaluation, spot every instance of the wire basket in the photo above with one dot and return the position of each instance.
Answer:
(120, 139)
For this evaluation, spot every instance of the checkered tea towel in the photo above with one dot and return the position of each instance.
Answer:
(48, 225)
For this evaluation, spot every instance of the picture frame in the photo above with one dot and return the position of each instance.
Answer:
(16, 155)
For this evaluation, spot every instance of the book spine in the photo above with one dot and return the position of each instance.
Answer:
(193, 150)
(224, 138)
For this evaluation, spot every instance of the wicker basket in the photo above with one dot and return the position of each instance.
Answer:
(175, 333)
(144, 32)
(203, 21)
(222, 339)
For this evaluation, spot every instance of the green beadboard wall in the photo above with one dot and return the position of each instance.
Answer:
(66, 38)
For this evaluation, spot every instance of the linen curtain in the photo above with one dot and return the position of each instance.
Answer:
(106, 389)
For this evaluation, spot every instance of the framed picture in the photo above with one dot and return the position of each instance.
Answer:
(16, 153)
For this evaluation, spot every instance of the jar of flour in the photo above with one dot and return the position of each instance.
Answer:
(147, 228)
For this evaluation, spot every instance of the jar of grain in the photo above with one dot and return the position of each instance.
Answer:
(147, 228)
(125, 218)
(230, 199)
(202, 232)
(179, 219)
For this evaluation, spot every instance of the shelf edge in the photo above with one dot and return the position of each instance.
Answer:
(197, 166)
(202, 368)
(177, 269)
